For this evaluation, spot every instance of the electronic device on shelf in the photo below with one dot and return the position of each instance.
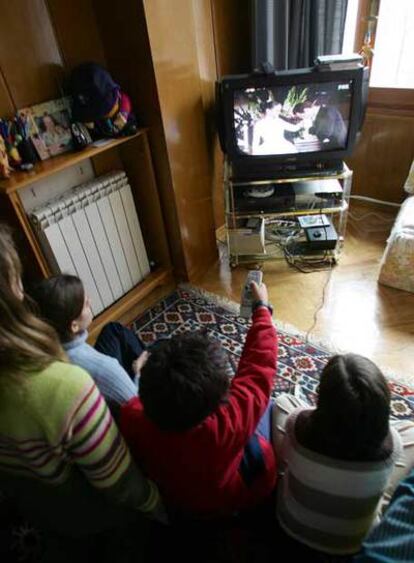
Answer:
(261, 193)
(320, 220)
(246, 301)
(338, 62)
(317, 194)
(282, 198)
(352, 58)
(248, 238)
(290, 123)
(289, 196)
(322, 238)
(243, 170)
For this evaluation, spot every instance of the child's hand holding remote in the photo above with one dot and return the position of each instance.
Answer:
(259, 292)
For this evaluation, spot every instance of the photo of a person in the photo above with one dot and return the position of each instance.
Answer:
(49, 127)
(55, 131)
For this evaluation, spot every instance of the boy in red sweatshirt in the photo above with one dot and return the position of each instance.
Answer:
(203, 439)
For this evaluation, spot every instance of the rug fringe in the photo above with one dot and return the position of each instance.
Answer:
(324, 344)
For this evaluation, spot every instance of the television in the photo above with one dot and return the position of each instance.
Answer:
(290, 122)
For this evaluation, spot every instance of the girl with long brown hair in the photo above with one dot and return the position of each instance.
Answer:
(61, 454)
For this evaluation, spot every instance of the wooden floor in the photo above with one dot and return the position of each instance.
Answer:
(358, 315)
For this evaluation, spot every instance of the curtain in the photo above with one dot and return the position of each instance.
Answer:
(292, 33)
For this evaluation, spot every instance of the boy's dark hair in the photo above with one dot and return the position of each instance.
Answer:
(184, 380)
(352, 415)
(60, 301)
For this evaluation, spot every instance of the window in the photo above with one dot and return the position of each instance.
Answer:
(393, 62)
(348, 45)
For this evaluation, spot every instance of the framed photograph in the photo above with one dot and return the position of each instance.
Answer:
(49, 127)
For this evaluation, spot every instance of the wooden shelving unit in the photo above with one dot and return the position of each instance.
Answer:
(131, 154)
(46, 168)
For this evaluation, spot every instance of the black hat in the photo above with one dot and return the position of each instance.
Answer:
(93, 90)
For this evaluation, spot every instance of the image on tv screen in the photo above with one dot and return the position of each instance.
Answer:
(292, 119)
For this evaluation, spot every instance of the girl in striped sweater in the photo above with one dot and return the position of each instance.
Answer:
(61, 455)
(338, 460)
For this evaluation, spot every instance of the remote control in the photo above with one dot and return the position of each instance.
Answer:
(246, 297)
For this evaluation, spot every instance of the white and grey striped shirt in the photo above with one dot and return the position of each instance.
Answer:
(326, 503)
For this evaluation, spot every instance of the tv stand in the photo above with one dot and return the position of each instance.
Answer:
(270, 216)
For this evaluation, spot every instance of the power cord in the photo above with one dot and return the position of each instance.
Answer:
(309, 265)
(280, 230)
(321, 305)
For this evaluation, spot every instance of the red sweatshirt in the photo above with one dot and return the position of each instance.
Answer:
(200, 471)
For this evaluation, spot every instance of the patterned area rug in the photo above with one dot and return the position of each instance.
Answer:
(300, 363)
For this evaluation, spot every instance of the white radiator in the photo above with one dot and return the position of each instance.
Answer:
(93, 232)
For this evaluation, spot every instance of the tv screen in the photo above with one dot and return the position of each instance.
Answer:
(292, 119)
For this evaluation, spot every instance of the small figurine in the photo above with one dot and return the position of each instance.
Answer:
(7, 131)
(4, 160)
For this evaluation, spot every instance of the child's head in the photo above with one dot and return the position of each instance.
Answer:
(63, 304)
(184, 380)
(26, 343)
(354, 404)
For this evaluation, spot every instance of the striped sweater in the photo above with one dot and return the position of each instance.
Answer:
(326, 503)
(58, 436)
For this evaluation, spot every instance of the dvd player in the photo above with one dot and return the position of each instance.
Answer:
(315, 194)
(282, 199)
(242, 170)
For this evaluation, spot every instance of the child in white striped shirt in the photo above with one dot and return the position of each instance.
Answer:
(337, 459)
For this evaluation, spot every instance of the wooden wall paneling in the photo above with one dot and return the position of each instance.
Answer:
(172, 34)
(129, 59)
(232, 44)
(399, 101)
(204, 27)
(77, 32)
(29, 54)
(31, 238)
(7, 108)
(385, 150)
(204, 37)
(231, 20)
(218, 177)
(31, 267)
(364, 9)
(383, 156)
(107, 161)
